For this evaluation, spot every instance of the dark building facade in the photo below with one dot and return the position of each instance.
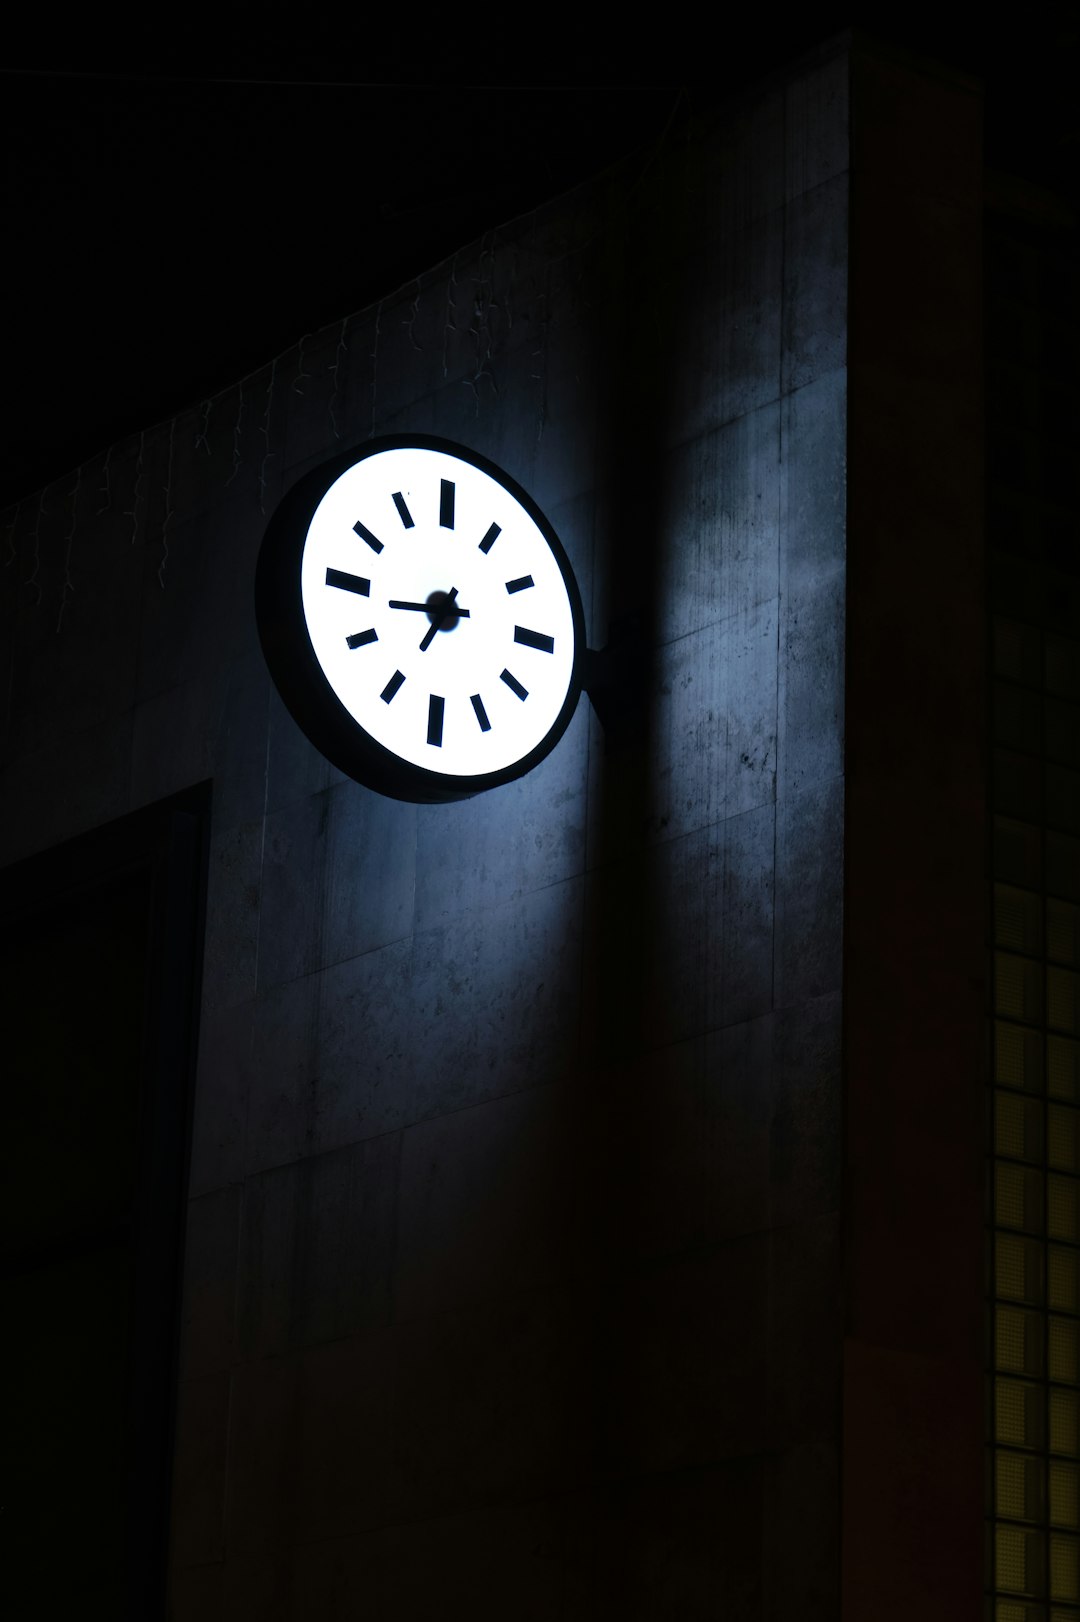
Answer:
(571, 1202)
(1033, 557)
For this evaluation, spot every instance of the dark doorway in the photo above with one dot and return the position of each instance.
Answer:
(99, 976)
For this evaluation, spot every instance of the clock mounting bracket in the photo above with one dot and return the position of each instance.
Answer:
(614, 679)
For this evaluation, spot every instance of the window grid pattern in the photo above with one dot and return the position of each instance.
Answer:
(1034, 1131)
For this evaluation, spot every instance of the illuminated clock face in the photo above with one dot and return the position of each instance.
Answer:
(421, 619)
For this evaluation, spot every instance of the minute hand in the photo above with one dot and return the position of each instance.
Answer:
(462, 613)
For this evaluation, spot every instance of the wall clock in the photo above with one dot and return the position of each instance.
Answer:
(420, 619)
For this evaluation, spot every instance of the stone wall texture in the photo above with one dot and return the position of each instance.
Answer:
(513, 1272)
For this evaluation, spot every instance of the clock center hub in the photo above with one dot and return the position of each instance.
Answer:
(442, 610)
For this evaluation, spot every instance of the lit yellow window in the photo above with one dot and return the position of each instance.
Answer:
(1064, 1422)
(1019, 1560)
(1018, 1198)
(1063, 1350)
(1063, 1208)
(1064, 1567)
(1018, 1414)
(1018, 1057)
(1063, 1068)
(1063, 1279)
(1018, 1478)
(1064, 1495)
(1017, 1127)
(1017, 988)
(1063, 1000)
(1063, 1138)
(1017, 1269)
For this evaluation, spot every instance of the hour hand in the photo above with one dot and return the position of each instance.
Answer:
(462, 613)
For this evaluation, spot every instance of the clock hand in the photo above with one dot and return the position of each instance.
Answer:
(447, 609)
(462, 613)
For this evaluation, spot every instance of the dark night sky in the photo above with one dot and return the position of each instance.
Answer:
(176, 213)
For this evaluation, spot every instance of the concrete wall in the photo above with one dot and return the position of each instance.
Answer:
(513, 1254)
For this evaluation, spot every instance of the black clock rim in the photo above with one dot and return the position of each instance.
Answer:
(296, 671)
